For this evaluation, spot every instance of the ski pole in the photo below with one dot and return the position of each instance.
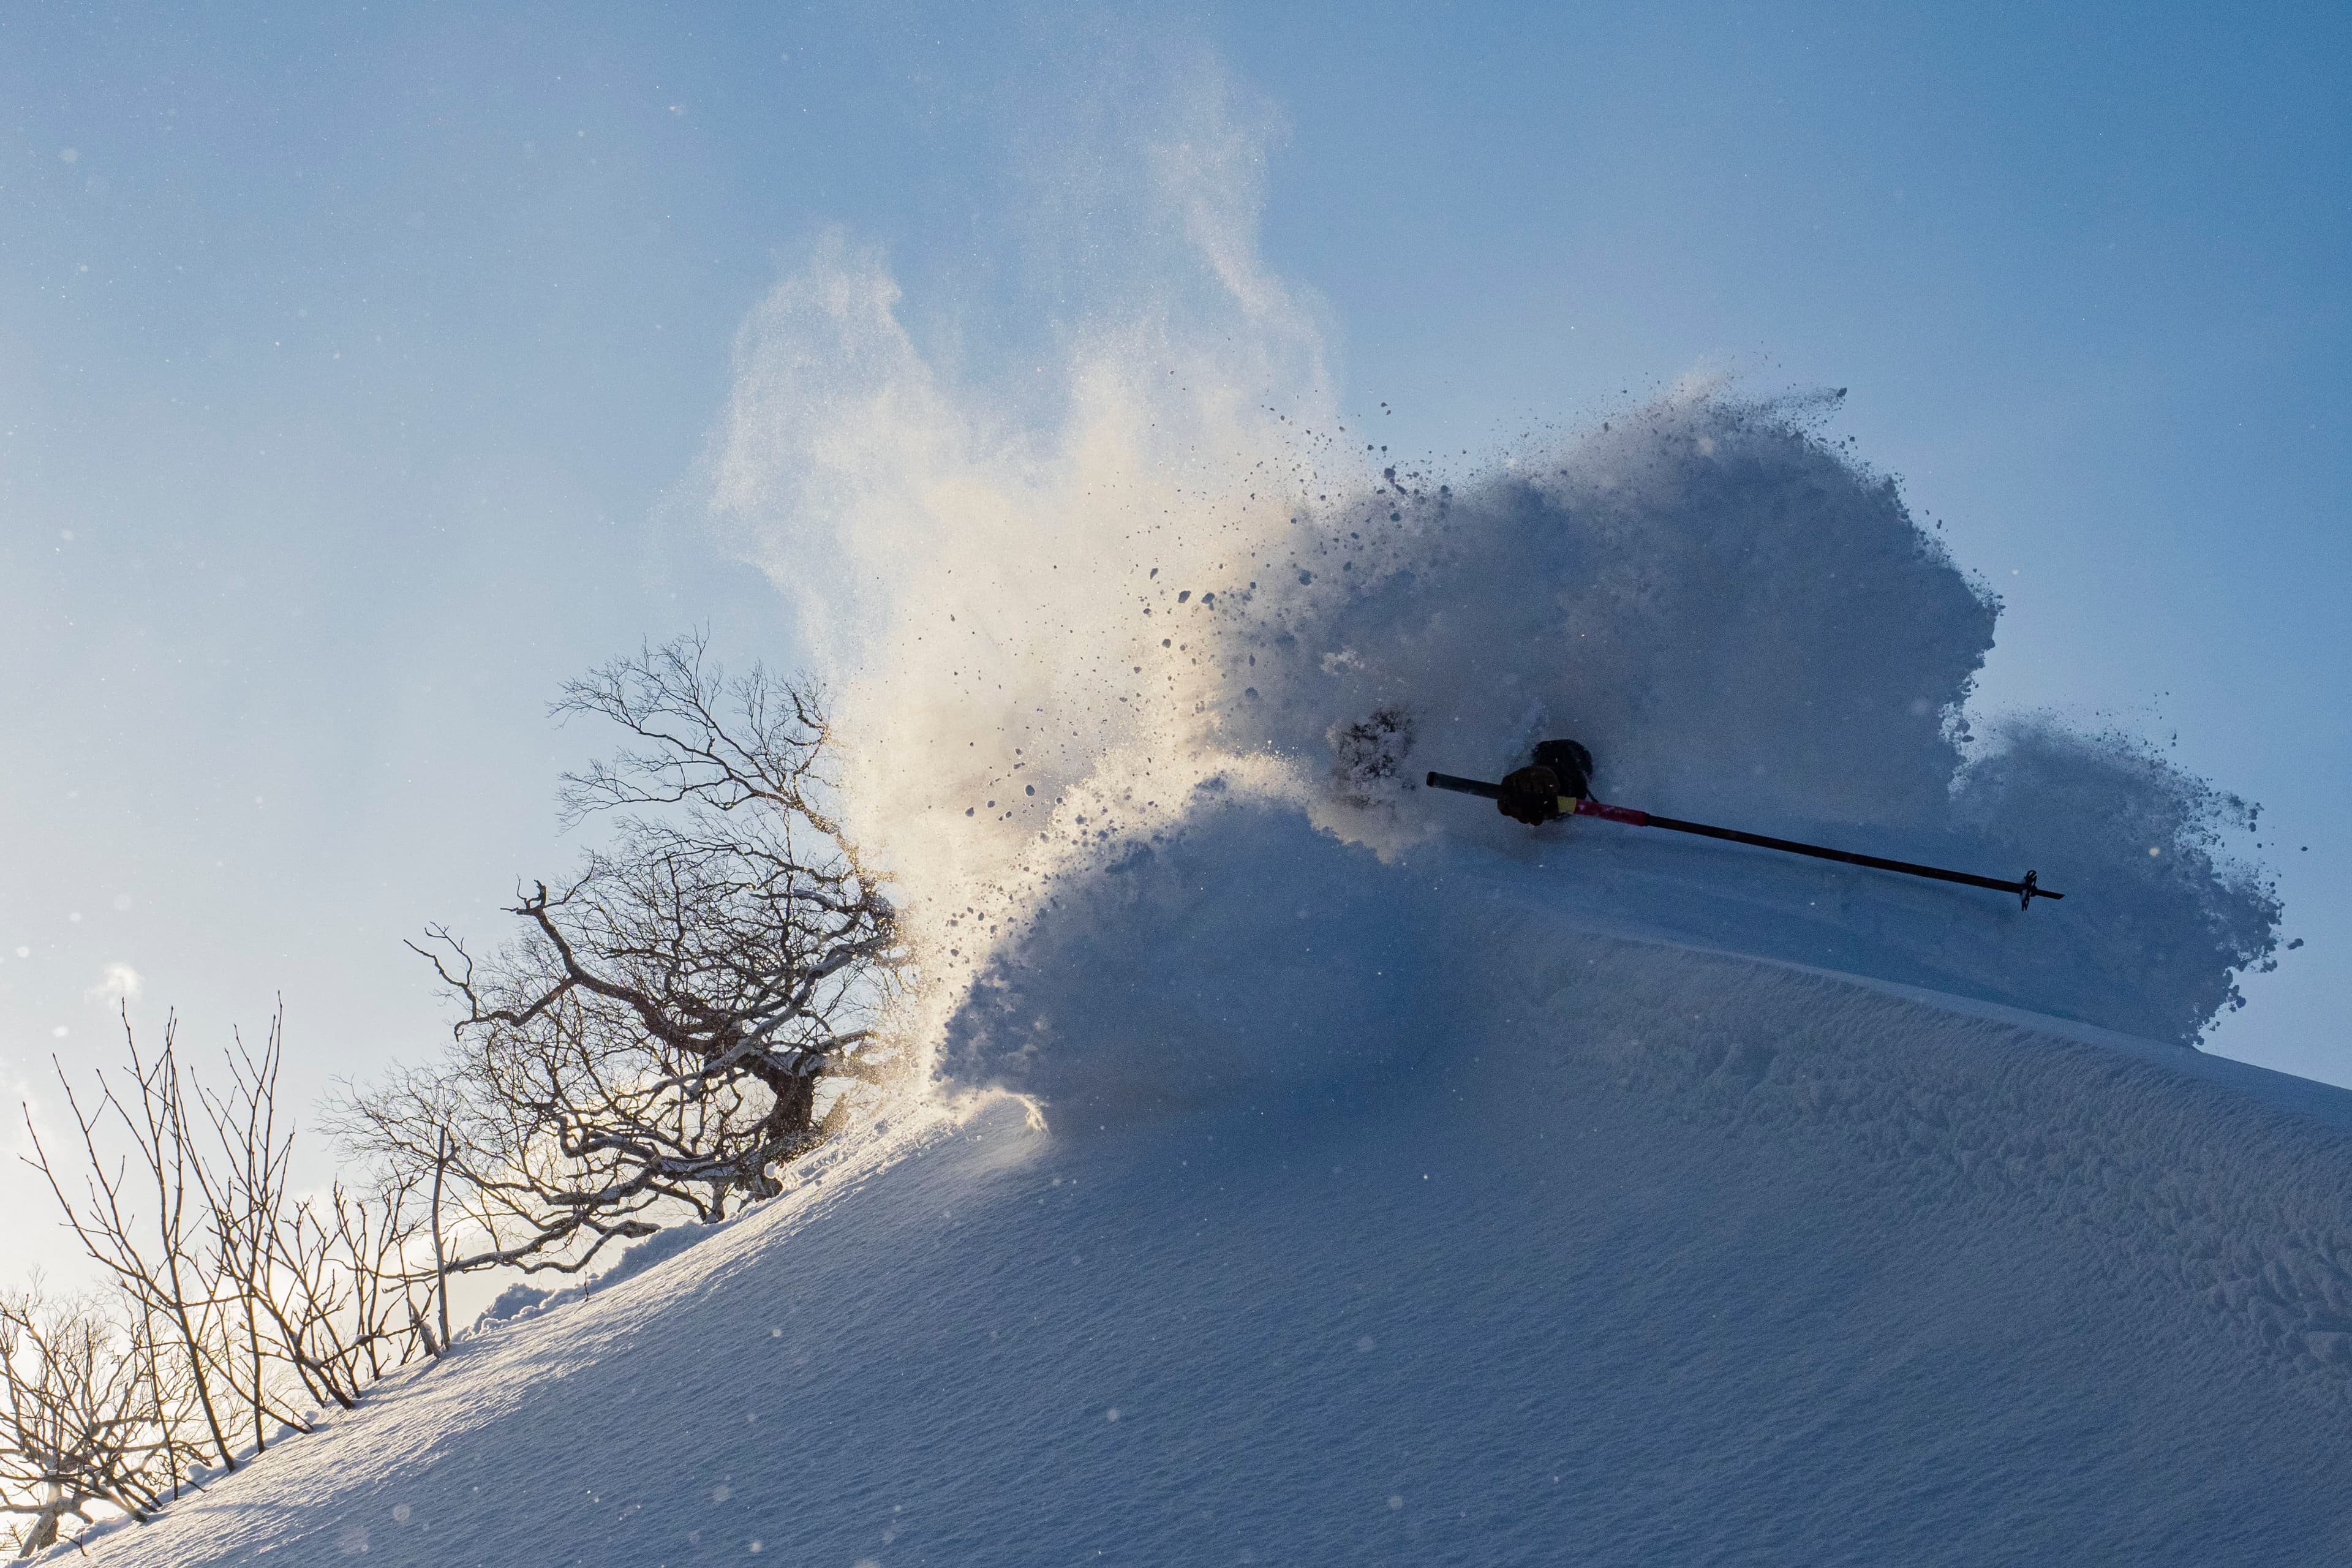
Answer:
(2026, 890)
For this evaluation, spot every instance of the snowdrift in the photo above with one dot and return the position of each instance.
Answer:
(1580, 1248)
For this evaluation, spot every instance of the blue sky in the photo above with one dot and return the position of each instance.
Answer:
(352, 362)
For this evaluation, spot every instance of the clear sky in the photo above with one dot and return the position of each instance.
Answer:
(352, 360)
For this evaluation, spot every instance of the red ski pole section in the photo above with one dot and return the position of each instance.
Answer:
(1624, 813)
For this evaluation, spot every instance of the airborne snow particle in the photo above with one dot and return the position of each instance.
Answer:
(120, 982)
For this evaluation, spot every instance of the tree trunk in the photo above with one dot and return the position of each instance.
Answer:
(440, 1263)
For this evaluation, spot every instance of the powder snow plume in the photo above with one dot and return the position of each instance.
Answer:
(1194, 640)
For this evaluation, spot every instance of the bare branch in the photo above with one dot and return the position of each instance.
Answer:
(683, 1017)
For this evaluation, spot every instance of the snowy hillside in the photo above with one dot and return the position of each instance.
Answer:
(1310, 1168)
(1603, 1250)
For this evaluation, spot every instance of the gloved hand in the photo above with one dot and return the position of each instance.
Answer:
(1530, 796)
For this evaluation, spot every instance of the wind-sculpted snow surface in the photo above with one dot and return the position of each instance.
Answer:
(1560, 1245)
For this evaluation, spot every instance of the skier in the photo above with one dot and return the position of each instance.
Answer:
(1532, 793)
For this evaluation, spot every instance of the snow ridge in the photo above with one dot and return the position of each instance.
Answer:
(1642, 1255)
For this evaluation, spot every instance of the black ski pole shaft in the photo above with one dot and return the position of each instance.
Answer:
(2027, 890)
(1466, 787)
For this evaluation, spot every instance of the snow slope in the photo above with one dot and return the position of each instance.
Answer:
(1582, 1247)
(1338, 1173)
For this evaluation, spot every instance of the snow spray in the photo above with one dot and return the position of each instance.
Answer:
(1093, 669)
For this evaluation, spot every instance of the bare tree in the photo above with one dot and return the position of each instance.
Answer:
(161, 1272)
(243, 1181)
(247, 1303)
(342, 1297)
(318, 1285)
(83, 1420)
(678, 1020)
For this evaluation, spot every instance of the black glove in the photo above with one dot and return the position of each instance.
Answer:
(1530, 796)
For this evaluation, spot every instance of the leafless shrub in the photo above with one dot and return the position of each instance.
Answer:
(159, 1261)
(246, 1305)
(86, 1417)
(319, 1285)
